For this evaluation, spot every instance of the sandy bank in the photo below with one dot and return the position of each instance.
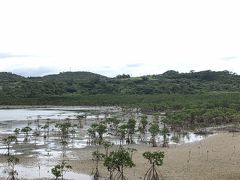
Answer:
(215, 158)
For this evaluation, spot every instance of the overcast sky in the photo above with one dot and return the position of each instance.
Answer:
(109, 37)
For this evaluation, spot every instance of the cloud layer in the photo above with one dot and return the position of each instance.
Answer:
(10, 55)
(114, 37)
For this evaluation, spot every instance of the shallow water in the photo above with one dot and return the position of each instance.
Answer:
(30, 172)
(30, 114)
(49, 150)
(46, 151)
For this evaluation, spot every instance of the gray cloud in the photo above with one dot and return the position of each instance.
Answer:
(39, 71)
(134, 65)
(10, 55)
(228, 58)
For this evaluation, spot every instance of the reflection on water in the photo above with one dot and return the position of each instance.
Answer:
(29, 114)
(51, 112)
(172, 138)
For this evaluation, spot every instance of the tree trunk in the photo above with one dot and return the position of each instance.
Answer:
(154, 143)
(165, 144)
(8, 148)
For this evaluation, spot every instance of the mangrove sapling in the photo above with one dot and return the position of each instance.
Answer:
(142, 128)
(64, 134)
(121, 132)
(97, 157)
(131, 129)
(8, 140)
(165, 133)
(85, 119)
(110, 164)
(114, 122)
(80, 121)
(107, 145)
(26, 131)
(38, 122)
(61, 169)
(100, 129)
(121, 159)
(29, 122)
(73, 133)
(154, 130)
(96, 129)
(64, 130)
(17, 132)
(176, 137)
(64, 144)
(12, 173)
(92, 135)
(155, 159)
(46, 129)
(35, 135)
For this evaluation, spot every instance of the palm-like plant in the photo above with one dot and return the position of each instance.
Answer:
(155, 159)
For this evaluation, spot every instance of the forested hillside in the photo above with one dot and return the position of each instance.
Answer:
(86, 83)
(188, 99)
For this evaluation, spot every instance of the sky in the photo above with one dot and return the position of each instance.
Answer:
(109, 37)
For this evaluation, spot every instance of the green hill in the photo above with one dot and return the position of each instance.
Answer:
(9, 77)
(80, 76)
(188, 99)
(82, 83)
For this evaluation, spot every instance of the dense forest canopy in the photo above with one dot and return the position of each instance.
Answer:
(86, 83)
(188, 99)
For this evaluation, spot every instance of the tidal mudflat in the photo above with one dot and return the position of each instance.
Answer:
(40, 152)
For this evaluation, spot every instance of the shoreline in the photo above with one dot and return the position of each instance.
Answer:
(51, 106)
